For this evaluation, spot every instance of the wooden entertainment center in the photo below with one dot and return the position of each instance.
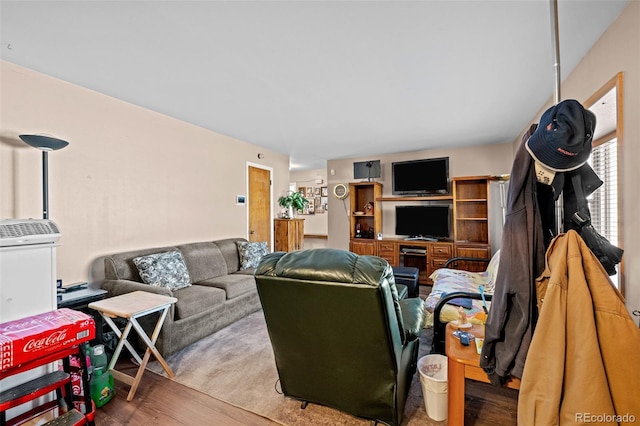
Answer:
(470, 227)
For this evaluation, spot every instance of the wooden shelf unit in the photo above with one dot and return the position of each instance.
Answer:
(369, 223)
(471, 220)
(448, 197)
(470, 227)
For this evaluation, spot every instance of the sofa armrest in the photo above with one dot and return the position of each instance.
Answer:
(118, 287)
(413, 315)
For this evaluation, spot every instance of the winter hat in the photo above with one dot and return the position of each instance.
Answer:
(562, 141)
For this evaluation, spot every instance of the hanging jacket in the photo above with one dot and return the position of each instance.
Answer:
(583, 364)
(513, 313)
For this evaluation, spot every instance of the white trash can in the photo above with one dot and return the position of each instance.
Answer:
(433, 377)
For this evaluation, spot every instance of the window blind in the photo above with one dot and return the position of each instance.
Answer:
(603, 203)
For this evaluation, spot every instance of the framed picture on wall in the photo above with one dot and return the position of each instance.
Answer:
(317, 191)
(309, 192)
(324, 192)
(311, 207)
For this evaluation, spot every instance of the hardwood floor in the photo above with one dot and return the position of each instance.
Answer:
(160, 401)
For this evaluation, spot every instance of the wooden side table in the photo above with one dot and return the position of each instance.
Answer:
(464, 363)
(132, 306)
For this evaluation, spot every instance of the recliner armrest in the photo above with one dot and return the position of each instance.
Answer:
(413, 315)
(403, 291)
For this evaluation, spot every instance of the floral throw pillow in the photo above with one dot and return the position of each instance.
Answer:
(251, 253)
(164, 270)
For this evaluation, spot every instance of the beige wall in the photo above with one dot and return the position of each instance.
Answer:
(618, 51)
(482, 160)
(130, 178)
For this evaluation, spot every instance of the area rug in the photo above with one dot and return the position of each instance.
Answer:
(236, 365)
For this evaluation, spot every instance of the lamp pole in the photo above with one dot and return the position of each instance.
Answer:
(45, 144)
(45, 185)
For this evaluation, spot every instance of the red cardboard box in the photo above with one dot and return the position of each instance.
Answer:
(30, 338)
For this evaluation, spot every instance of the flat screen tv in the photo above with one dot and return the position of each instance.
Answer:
(428, 176)
(423, 221)
(367, 169)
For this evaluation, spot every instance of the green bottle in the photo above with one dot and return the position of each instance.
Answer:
(101, 387)
(101, 383)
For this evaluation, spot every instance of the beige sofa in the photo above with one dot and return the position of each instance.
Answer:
(221, 292)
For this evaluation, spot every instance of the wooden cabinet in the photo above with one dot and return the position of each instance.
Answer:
(362, 247)
(288, 234)
(482, 251)
(365, 216)
(471, 220)
(439, 253)
(389, 251)
(427, 256)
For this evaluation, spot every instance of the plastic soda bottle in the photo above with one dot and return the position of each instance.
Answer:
(101, 383)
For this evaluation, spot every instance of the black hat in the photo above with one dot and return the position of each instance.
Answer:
(562, 141)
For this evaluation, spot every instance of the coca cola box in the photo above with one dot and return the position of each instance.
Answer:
(30, 338)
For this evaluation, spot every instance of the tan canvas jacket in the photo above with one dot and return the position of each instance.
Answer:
(583, 365)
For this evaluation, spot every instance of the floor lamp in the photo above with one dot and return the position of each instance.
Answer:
(502, 180)
(45, 144)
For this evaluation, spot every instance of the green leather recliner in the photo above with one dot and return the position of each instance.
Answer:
(340, 335)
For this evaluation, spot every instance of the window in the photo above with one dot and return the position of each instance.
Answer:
(604, 203)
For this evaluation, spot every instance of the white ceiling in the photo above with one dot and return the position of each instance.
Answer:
(316, 80)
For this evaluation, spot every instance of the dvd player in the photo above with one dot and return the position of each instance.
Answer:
(413, 250)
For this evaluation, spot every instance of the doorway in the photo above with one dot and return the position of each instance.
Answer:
(259, 202)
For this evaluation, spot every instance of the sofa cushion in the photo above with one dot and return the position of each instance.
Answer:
(165, 269)
(196, 299)
(229, 250)
(203, 260)
(233, 284)
(120, 266)
(251, 253)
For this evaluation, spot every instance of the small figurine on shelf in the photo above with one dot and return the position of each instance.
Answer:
(462, 316)
(368, 208)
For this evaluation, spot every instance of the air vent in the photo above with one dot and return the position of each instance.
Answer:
(27, 231)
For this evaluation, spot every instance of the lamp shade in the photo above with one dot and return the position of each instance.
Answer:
(44, 143)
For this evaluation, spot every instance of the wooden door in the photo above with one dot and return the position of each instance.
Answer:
(259, 205)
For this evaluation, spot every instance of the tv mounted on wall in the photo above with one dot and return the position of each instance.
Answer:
(428, 176)
(367, 169)
(423, 222)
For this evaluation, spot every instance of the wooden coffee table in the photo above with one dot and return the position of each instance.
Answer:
(464, 363)
(132, 306)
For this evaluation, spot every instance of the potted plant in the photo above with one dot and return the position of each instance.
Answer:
(293, 202)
